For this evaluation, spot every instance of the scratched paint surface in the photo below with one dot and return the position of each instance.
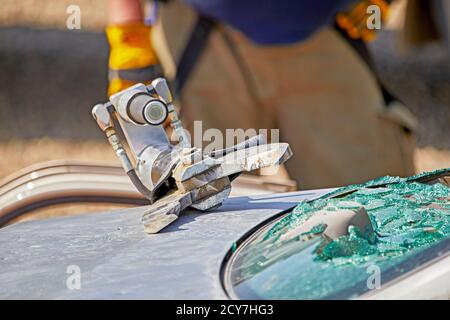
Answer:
(406, 216)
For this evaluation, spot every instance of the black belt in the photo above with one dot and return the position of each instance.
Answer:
(361, 49)
(191, 53)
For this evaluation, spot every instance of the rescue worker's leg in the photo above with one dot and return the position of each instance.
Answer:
(329, 108)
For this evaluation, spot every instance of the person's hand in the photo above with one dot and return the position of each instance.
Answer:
(132, 58)
(354, 21)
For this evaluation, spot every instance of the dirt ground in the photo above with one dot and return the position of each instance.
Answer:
(19, 154)
(52, 13)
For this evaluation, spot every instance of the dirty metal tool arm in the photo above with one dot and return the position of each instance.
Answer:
(105, 122)
(175, 176)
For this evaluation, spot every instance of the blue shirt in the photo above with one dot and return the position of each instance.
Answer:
(271, 21)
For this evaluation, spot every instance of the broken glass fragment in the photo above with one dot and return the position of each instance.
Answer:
(406, 216)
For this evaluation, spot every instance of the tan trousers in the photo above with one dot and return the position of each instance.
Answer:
(318, 93)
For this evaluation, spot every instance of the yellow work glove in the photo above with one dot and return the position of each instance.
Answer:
(131, 58)
(354, 21)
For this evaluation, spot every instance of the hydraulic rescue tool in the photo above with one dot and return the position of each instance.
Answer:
(175, 176)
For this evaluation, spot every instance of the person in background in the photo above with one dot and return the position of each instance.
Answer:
(300, 66)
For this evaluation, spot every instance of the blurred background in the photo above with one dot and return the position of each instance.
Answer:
(50, 77)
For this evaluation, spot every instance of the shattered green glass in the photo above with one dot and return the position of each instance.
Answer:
(407, 216)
